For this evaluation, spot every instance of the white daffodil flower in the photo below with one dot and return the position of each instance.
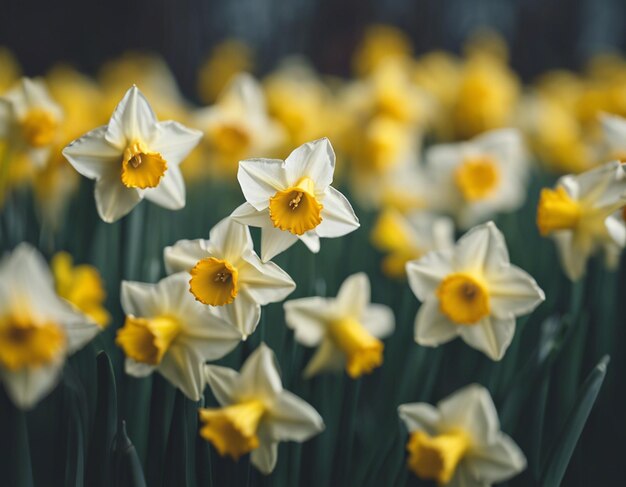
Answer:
(614, 131)
(293, 199)
(475, 180)
(134, 157)
(38, 329)
(582, 214)
(409, 237)
(256, 413)
(459, 443)
(30, 119)
(228, 275)
(168, 331)
(238, 126)
(472, 291)
(346, 329)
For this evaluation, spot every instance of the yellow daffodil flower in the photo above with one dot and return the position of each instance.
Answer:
(38, 329)
(582, 215)
(168, 331)
(459, 442)
(346, 329)
(292, 200)
(227, 274)
(472, 291)
(256, 413)
(134, 157)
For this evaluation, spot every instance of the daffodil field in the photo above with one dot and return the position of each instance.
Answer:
(412, 276)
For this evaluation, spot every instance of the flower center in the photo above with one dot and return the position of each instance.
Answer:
(296, 209)
(233, 429)
(436, 457)
(231, 139)
(214, 281)
(82, 286)
(141, 168)
(39, 127)
(26, 344)
(477, 178)
(146, 340)
(363, 351)
(463, 299)
(557, 211)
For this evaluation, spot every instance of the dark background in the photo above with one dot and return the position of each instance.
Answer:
(542, 34)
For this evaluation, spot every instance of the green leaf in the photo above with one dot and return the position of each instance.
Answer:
(75, 451)
(566, 441)
(15, 460)
(128, 472)
(99, 462)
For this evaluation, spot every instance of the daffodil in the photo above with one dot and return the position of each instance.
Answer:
(459, 443)
(292, 200)
(82, 286)
(346, 329)
(256, 413)
(133, 157)
(38, 329)
(379, 44)
(168, 331)
(9, 69)
(475, 180)
(30, 119)
(227, 274)
(226, 60)
(238, 126)
(409, 237)
(614, 131)
(472, 291)
(582, 215)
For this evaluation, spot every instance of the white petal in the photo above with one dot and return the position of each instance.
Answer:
(432, 328)
(209, 336)
(139, 299)
(513, 292)
(292, 419)
(184, 255)
(419, 417)
(616, 228)
(223, 383)
(327, 358)
(183, 368)
(260, 179)
(353, 295)
(92, 156)
(482, 248)
(491, 335)
(113, 199)
(137, 369)
(338, 217)
(174, 141)
(274, 241)
(463, 477)
(247, 214)
(315, 160)
(307, 317)
(471, 408)
(614, 130)
(170, 193)
(230, 239)
(259, 373)
(426, 274)
(28, 385)
(132, 119)
(496, 462)
(264, 457)
(265, 283)
(311, 240)
(243, 313)
(379, 320)
(572, 257)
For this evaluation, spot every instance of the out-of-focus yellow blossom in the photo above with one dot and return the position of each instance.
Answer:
(237, 127)
(301, 102)
(151, 75)
(405, 238)
(82, 286)
(10, 70)
(487, 96)
(226, 60)
(379, 43)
